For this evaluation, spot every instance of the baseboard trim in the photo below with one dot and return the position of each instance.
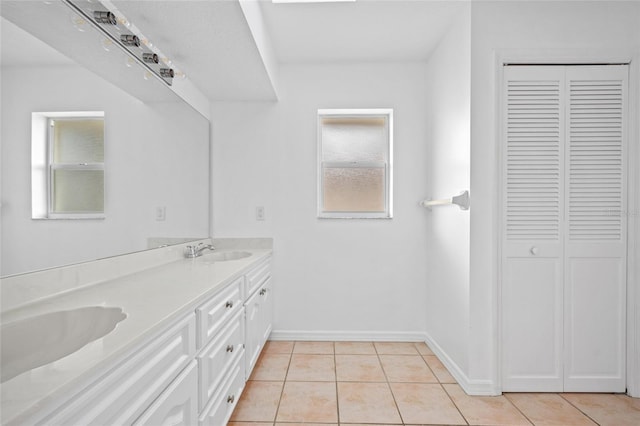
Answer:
(470, 386)
(349, 336)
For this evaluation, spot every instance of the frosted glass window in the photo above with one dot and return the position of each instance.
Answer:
(353, 189)
(354, 164)
(76, 178)
(78, 191)
(78, 141)
(354, 139)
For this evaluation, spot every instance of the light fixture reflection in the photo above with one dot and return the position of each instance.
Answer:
(78, 22)
(120, 32)
(106, 44)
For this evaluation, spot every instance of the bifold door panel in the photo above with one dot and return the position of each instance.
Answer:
(564, 228)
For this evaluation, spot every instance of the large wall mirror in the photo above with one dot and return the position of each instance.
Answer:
(156, 158)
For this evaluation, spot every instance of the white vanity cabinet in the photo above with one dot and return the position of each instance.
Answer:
(124, 393)
(227, 359)
(258, 311)
(191, 373)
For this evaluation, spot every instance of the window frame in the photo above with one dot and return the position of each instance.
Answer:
(43, 142)
(387, 114)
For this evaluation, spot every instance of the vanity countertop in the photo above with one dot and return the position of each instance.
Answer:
(152, 299)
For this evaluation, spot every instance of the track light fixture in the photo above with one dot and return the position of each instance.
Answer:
(166, 72)
(150, 58)
(105, 17)
(122, 33)
(130, 40)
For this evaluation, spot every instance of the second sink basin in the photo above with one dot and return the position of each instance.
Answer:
(39, 340)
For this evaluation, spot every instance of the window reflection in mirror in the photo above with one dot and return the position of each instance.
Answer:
(156, 155)
(67, 165)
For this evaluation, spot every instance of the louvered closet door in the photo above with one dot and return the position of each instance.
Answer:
(595, 238)
(563, 280)
(532, 288)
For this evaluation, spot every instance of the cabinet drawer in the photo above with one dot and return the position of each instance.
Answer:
(178, 404)
(219, 355)
(222, 404)
(132, 386)
(214, 313)
(258, 275)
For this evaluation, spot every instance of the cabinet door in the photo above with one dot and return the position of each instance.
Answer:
(178, 404)
(267, 311)
(259, 312)
(253, 310)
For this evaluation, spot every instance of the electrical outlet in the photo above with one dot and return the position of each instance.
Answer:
(161, 213)
(260, 213)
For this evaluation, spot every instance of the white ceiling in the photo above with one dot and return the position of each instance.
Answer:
(361, 31)
(212, 43)
(209, 41)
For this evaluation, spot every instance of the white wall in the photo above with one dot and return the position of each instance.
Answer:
(333, 278)
(544, 29)
(155, 155)
(414, 277)
(448, 115)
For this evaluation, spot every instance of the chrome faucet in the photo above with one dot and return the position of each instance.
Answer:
(196, 251)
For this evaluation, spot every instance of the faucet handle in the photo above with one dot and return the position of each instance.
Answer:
(190, 251)
(195, 251)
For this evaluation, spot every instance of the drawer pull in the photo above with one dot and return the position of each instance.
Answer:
(231, 398)
(263, 292)
(229, 348)
(229, 304)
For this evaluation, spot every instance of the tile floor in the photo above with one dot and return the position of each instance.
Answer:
(358, 383)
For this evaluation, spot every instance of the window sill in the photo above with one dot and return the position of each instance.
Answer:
(72, 217)
(354, 216)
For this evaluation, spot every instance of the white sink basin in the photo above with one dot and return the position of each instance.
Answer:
(223, 256)
(39, 340)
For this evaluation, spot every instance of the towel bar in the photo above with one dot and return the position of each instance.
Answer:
(461, 200)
